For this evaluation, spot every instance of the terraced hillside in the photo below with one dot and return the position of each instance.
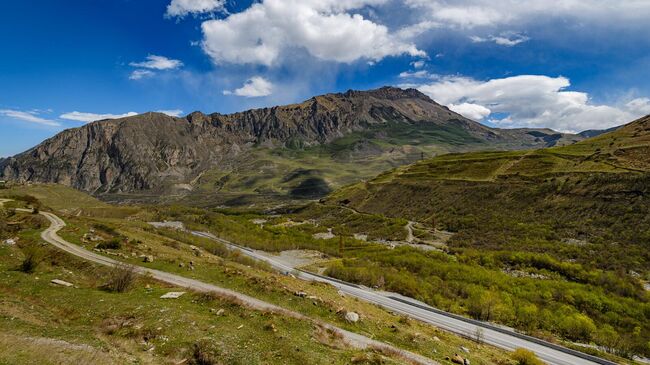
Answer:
(561, 234)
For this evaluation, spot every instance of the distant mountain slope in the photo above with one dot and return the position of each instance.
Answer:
(595, 191)
(262, 151)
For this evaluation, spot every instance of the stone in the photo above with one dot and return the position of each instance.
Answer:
(300, 294)
(172, 295)
(352, 317)
(61, 283)
(457, 359)
(435, 338)
(464, 349)
(146, 258)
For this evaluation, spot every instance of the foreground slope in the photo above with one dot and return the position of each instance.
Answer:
(301, 150)
(130, 324)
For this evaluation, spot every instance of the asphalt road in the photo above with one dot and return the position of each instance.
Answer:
(503, 337)
(353, 339)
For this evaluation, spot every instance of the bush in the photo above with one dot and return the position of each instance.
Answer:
(30, 262)
(525, 357)
(204, 353)
(121, 278)
(113, 244)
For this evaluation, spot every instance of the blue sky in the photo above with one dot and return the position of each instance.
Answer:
(565, 64)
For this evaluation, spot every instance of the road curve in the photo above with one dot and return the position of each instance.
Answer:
(502, 337)
(353, 339)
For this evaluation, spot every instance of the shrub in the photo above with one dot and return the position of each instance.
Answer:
(525, 357)
(204, 353)
(121, 278)
(113, 244)
(30, 262)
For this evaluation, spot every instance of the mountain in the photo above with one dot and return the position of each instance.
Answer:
(299, 150)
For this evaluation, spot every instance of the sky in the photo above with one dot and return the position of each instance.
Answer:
(569, 65)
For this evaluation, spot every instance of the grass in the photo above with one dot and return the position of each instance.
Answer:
(577, 216)
(44, 323)
(171, 248)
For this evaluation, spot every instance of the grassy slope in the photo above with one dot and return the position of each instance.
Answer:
(578, 215)
(190, 318)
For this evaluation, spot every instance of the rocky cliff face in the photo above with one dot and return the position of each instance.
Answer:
(153, 151)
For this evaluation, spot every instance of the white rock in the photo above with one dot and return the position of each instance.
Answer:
(352, 317)
(61, 282)
(172, 295)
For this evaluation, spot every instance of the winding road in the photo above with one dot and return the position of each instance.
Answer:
(352, 339)
(499, 336)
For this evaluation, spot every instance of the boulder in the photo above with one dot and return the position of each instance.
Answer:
(352, 317)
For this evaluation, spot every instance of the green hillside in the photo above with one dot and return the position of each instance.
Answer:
(557, 235)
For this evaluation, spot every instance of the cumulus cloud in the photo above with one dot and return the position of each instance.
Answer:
(181, 8)
(324, 28)
(530, 101)
(154, 62)
(31, 117)
(254, 87)
(471, 111)
(91, 117)
(508, 39)
(139, 74)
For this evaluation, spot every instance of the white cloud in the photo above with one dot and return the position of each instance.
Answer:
(184, 7)
(30, 117)
(418, 64)
(139, 74)
(530, 101)
(639, 106)
(254, 87)
(471, 111)
(421, 74)
(324, 28)
(158, 63)
(481, 13)
(91, 117)
(508, 39)
(172, 112)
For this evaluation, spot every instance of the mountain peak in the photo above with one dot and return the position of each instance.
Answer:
(389, 92)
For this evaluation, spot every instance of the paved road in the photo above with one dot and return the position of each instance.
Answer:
(502, 337)
(353, 339)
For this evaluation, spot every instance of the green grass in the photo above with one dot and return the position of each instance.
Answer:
(190, 317)
(136, 326)
(577, 216)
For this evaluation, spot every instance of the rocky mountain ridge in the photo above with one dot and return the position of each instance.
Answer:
(152, 151)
